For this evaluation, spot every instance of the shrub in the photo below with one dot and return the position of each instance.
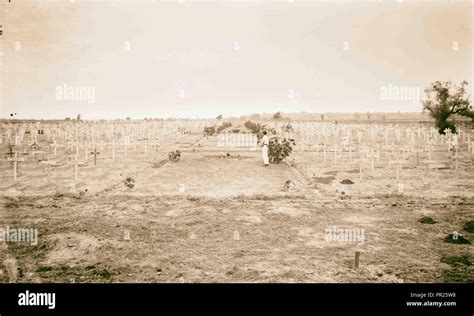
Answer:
(216, 129)
(209, 130)
(279, 150)
(347, 181)
(456, 260)
(469, 226)
(129, 182)
(223, 127)
(427, 220)
(258, 129)
(287, 128)
(174, 156)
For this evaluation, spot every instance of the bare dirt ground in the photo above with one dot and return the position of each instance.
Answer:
(212, 218)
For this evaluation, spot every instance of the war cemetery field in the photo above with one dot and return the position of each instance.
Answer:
(109, 205)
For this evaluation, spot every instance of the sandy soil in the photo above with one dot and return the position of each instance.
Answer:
(212, 218)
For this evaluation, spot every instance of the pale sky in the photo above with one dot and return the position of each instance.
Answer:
(201, 59)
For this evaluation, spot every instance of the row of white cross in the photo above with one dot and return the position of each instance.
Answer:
(363, 141)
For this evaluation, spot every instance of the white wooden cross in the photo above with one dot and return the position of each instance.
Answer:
(372, 157)
(335, 154)
(15, 161)
(55, 146)
(418, 150)
(76, 164)
(456, 157)
(113, 149)
(398, 165)
(361, 166)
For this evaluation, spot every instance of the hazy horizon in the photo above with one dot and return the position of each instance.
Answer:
(190, 59)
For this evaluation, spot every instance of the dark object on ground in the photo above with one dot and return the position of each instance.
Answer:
(469, 227)
(454, 260)
(456, 239)
(427, 220)
(174, 156)
(347, 181)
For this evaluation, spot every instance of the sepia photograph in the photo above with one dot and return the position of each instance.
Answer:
(225, 142)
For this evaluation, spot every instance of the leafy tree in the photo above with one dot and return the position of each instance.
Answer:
(279, 150)
(443, 100)
(219, 117)
(277, 116)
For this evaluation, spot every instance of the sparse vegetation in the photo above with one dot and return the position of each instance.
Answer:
(287, 128)
(209, 130)
(216, 129)
(456, 260)
(223, 127)
(469, 227)
(174, 156)
(129, 182)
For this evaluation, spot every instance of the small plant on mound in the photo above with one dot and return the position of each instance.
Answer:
(279, 150)
(427, 220)
(347, 181)
(174, 156)
(469, 227)
(129, 183)
(456, 239)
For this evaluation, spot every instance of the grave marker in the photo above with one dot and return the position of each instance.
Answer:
(15, 161)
